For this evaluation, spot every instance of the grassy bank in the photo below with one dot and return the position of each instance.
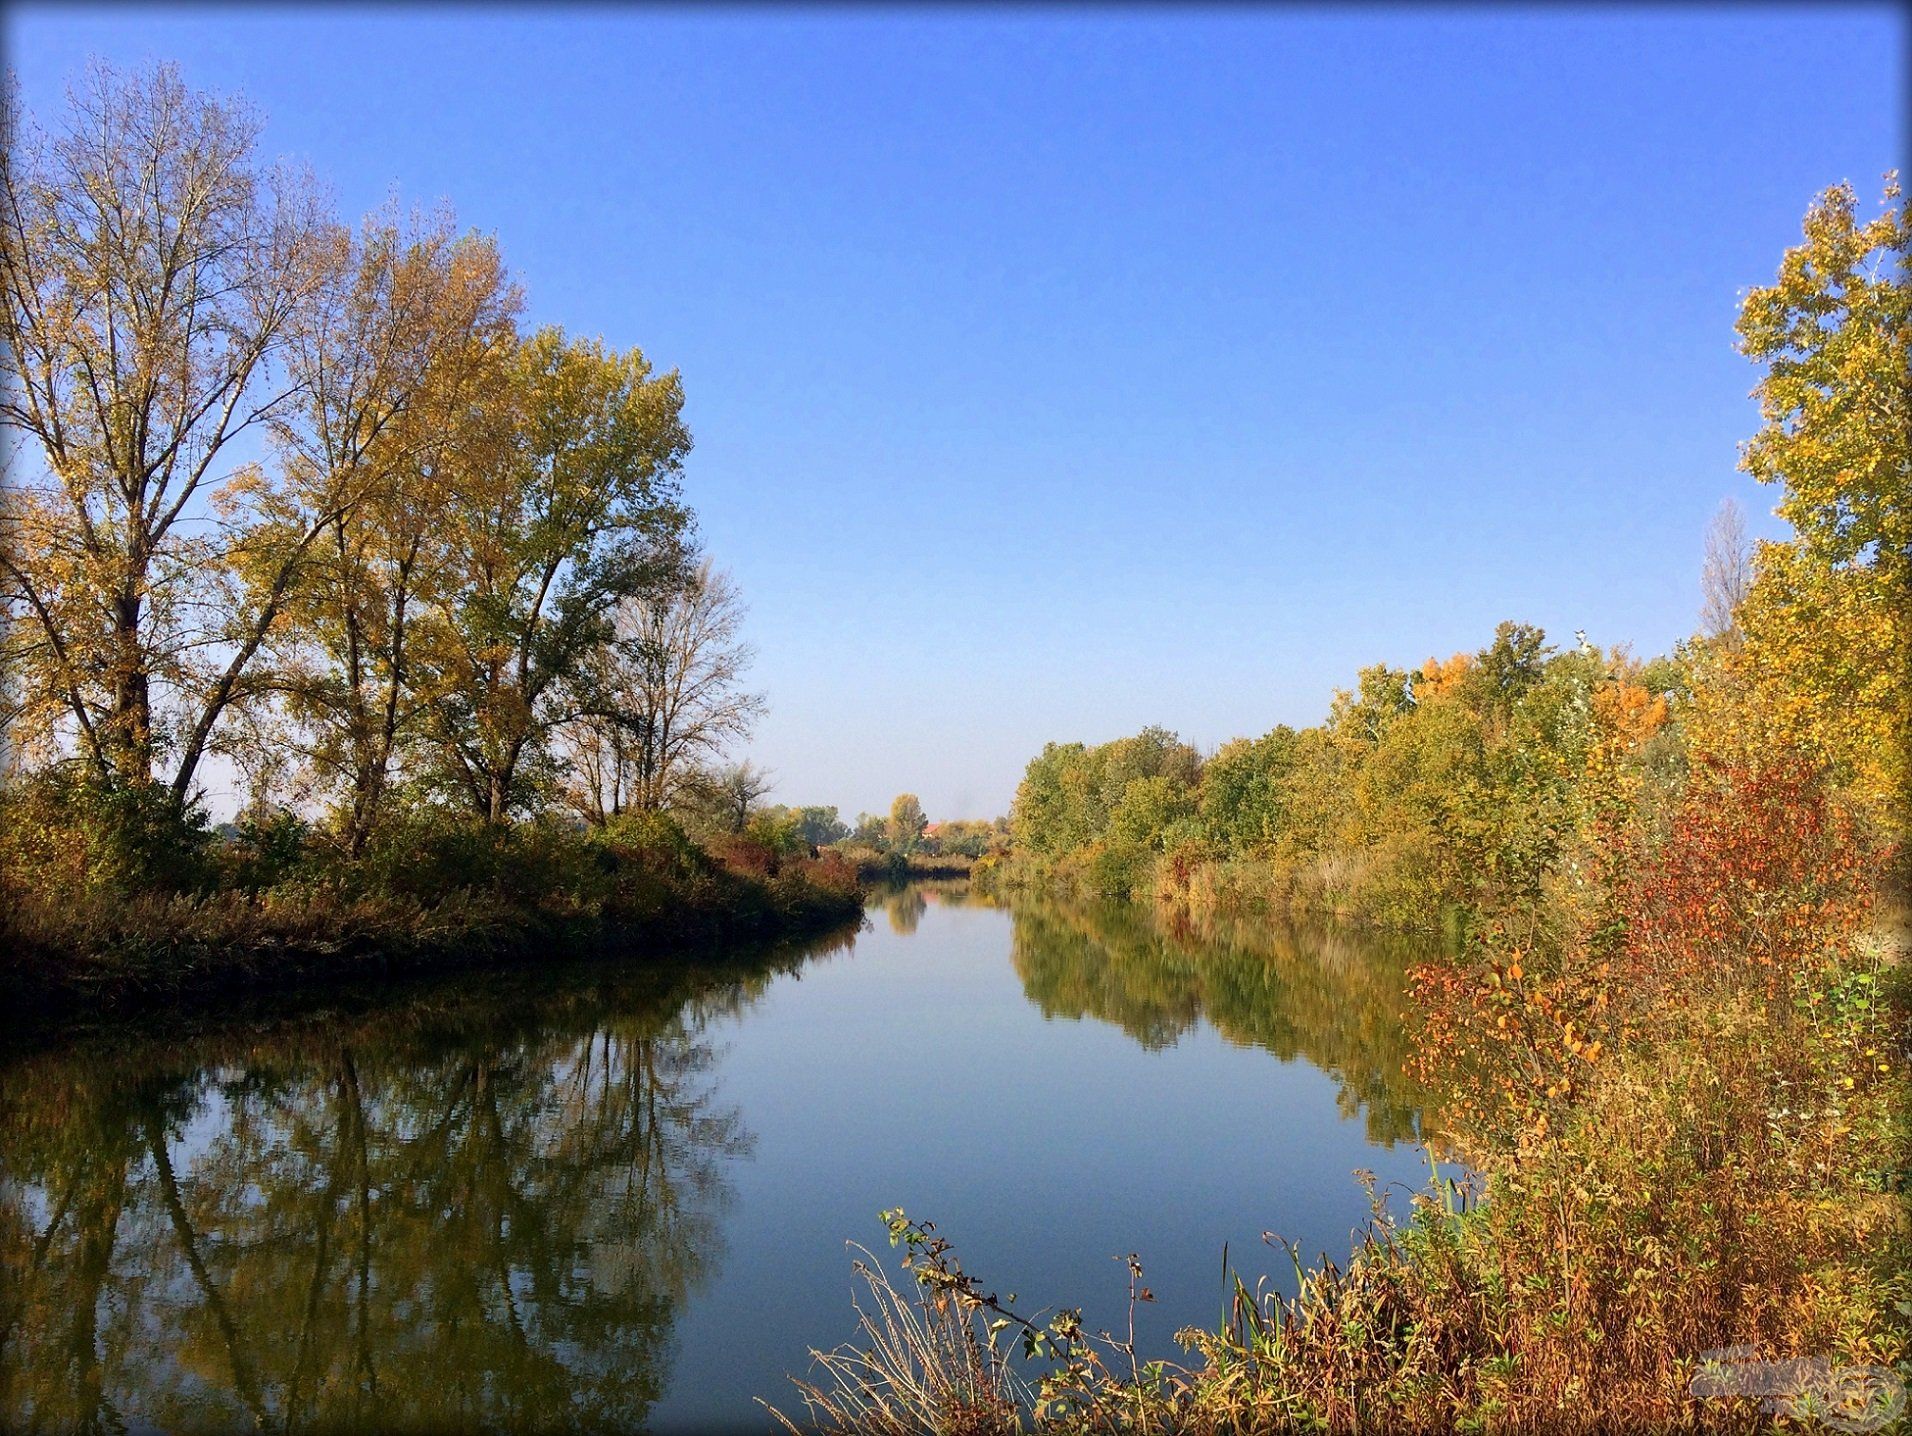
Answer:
(1349, 886)
(124, 910)
(895, 866)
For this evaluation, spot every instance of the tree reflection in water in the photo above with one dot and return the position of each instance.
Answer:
(487, 1203)
(1333, 995)
(467, 1211)
(904, 903)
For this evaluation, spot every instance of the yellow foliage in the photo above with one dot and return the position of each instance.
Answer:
(1626, 715)
(1822, 670)
(1825, 666)
(1437, 679)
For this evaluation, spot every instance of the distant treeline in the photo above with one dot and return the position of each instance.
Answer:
(1501, 782)
(1462, 784)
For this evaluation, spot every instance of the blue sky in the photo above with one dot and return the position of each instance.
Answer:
(1058, 371)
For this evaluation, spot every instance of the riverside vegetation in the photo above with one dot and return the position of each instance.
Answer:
(1674, 1046)
(313, 511)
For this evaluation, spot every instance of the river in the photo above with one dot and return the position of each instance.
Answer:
(601, 1195)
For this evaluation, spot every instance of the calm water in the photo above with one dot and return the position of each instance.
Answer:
(592, 1197)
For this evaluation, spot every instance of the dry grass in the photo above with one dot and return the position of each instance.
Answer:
(926, 1362)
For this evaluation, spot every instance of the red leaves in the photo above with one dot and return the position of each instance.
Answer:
(1759, 877)
(1761, 867)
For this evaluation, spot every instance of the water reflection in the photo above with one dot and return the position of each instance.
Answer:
(468, 1212)
(905, 908)
(506, 1201)
(1334, 996)
(903, 904)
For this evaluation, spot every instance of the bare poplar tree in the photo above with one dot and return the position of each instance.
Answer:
(1726, 574)
(670, 697)
(730, 794)
(151, 270)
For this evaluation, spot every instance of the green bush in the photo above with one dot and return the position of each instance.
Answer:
(65, 830)
(1122, 867)
(268, 852)
(655, 842)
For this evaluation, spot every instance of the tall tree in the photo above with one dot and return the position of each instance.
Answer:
(906, 822)
(1725, 575)
(819, 826)
(1835, 334)
(729, 795)
(151, 271)
(404, 370)
(1827, 662)
(540, 542)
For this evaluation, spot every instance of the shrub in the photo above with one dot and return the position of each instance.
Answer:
(266, 852)
(64, 831)
(743, 854)
(653, 842)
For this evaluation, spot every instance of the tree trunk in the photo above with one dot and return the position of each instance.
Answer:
(130, 734)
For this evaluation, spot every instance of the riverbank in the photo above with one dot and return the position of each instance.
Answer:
(266, 912)
(1691, 1128)
(1342, 887)
(895, 867)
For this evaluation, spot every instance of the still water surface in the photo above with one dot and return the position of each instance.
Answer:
(598, 1197)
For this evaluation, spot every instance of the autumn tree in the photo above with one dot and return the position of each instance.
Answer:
(1834, 333)
(541, 540)
(1069, 791)
(667, 695)
(728, 796)
(906, 823)
(1242, 802)
(812, 826)
(819, 826)
(405, 367)
(152, 272)
(1826, 668)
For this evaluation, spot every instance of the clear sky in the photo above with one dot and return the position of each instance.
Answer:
(1058, 371)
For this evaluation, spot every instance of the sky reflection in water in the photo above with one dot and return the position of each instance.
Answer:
(593, 1198)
